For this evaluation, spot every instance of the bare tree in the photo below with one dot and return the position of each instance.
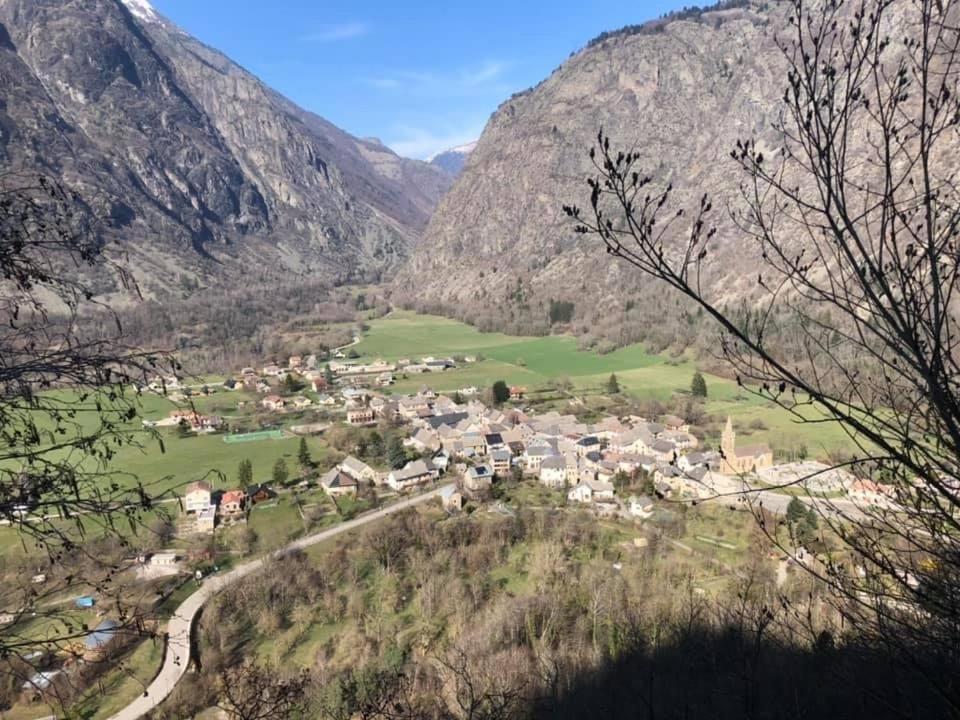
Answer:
(252, 692)
(69, 400)
(853, 215)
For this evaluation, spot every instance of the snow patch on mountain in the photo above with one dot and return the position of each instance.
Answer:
(464, 149)
(142, 10)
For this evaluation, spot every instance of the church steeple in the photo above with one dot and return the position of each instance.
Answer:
(728, 441)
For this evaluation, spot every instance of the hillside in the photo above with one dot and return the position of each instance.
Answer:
(499, 249)
(203, 171)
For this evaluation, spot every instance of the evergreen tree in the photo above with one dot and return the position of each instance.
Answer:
(328, 374)
(376, 447)
(280, 472)
(698, 386)
(501, 393)
(613, 385)
(303, 454)
(245, 473)
(396, 454)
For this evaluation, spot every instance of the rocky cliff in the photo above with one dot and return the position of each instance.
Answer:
(203, 171)
(681, 93)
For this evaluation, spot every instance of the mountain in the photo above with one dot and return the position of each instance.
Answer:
(453, 160)
(681, 92)
(203, 170)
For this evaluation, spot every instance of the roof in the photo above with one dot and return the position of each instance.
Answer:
(500, 455)
(232, 496)
(448, 491)
(337, 479)
(414, 469)
(480, 471)
(642, 501)
(198, 486)
(554, 462)
(493, 438)
(752, 450)
(101, 635)
(352, 464)
(588, 441)
(663, 446)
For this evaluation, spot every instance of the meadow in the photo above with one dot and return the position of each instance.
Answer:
(534, 362)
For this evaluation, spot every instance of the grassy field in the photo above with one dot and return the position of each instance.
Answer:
(535, 361)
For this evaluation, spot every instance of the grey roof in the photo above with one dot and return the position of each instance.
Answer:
(500, 455)
(450, 419)
(555, 462)
(101, 635)
(417, 468)
(541, 450)
(493, 439)
(663, 446)
(588, 441)
(480, 471)
(337, 479)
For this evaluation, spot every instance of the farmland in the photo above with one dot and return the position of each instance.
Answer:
(536, 361)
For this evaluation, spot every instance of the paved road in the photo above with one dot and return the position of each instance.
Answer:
(177, 657)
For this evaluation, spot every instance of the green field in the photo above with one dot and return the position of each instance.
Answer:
(534, 361)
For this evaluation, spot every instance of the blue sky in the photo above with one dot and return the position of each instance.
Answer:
(421, 76)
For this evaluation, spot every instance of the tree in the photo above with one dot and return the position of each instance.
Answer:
(280, 472)
(698, 386)
(56, 447)
(396, 453)
(613, 385)
(328, 374)
(457, 398)
(853, 220)
(245, 473)
(501, 393)
(303, 455)
(253, 692)
(375, 447)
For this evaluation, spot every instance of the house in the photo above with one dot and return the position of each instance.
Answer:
(41, 685)
(749, 459)
(166, 558)
(207, 519)
(232, 503)
(493, 441)
(98, 643)
(360, 416)
(451, 498)
(294, 362)
(478, 478)
(418, 472)
(319, 384)
(553, 472)
(259, 493)
(473, 444)
(587, 444)
(501, 460)
(423, 440)
(441, 460)
(641, 507)
(326, 400)
(273, 370)
(591, 491)
(868, 492)
(197, 496)
(672, 422)
(358, 469)
(300, 402)
(273, 402)
(335, 483)
(517, 392)
(637, 441)
(535, 454)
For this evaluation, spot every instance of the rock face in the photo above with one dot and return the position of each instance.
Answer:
(202, 169)
(499, 248)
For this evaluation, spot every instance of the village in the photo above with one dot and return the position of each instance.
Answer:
(472, 445)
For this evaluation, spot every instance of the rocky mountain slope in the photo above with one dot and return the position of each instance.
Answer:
(681, 92)
(205, 172)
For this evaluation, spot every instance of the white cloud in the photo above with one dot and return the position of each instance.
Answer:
(332, 33)
(458, 82)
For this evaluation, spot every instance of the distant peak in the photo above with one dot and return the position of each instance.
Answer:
(142, 10)
(464, 149)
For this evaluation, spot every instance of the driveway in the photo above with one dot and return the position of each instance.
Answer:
(177, 656)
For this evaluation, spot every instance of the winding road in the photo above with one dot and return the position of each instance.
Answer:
(176, 659)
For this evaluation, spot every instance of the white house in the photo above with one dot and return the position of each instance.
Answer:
(197, 497)
(553, 472)
(357, 469)
(418, 472)
(591, 491)
(641, 507)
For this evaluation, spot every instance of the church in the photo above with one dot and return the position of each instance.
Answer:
(747, 459)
